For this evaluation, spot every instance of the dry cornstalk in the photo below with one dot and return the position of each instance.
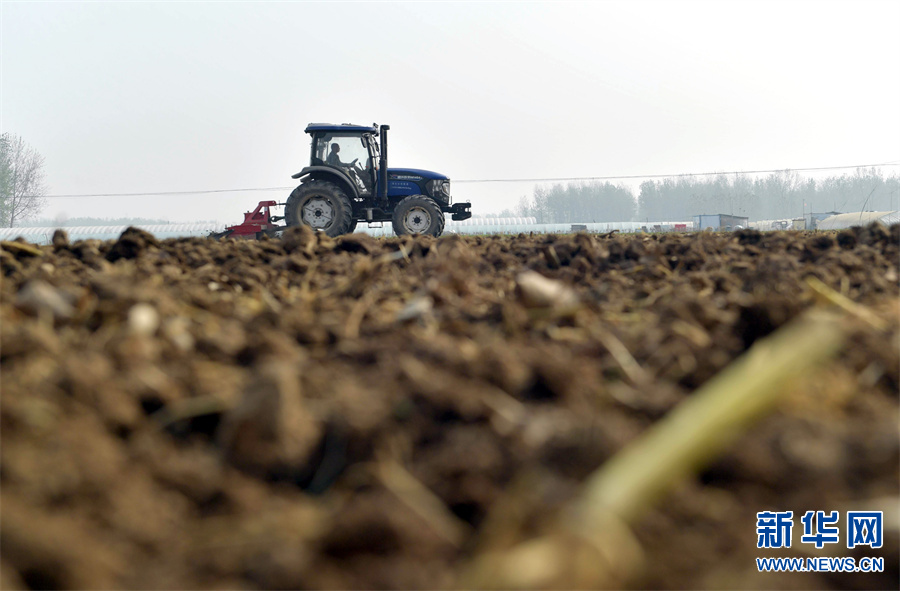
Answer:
(422, 501)
(622, 356)
(591, 547)
(825, 293)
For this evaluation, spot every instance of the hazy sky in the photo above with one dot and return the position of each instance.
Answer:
(179, 96)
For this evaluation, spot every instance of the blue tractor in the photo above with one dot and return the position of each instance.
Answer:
(348, 181)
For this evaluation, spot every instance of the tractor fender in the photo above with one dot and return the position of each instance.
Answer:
(327, 173)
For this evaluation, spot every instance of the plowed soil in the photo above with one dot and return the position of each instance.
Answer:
(352, 413)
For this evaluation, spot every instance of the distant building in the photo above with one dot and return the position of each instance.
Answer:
(860, 218)
(43, 235)
(720, 222)
(812, 219)
(479, 225)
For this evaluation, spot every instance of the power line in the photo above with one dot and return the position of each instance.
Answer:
(472, 181)
(685, 174)
(161, 193)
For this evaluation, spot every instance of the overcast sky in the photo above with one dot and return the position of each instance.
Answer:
(179, 96)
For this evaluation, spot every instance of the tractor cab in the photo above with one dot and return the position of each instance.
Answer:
(350, 150)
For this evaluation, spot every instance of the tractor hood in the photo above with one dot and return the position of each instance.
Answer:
(399, 173)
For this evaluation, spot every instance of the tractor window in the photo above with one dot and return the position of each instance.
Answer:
(349, 148)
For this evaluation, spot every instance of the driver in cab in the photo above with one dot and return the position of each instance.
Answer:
(335, 160)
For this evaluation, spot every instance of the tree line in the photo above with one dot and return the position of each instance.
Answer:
(780, 195)
(21, 180)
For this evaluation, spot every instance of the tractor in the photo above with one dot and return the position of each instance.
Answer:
(348, 181)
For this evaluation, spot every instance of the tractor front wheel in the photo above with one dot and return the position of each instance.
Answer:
(322, 206)
(418, 214)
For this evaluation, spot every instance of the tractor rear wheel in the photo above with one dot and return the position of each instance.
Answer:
(322, 206)
(418, 214)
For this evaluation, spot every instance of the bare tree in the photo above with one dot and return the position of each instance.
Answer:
(21, 180)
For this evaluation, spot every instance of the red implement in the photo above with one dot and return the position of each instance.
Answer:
(256, 223)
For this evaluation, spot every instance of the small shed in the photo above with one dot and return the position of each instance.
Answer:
(812, 219)
(720, 222)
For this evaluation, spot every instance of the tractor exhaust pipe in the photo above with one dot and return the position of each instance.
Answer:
(383, 166)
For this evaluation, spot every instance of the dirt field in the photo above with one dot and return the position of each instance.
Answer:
(363, 413)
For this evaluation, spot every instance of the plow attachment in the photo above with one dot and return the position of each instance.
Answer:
(257, 223)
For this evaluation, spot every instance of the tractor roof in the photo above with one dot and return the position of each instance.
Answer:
(345, 127)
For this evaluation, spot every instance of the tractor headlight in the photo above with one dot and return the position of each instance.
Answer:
(435, 188)
(440, 188)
